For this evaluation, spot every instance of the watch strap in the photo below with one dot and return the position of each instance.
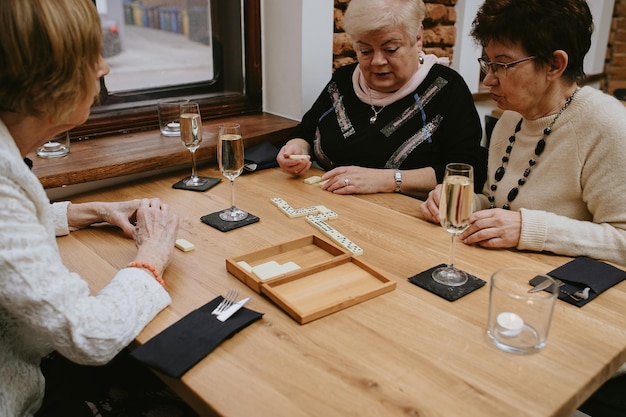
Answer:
(397, 175)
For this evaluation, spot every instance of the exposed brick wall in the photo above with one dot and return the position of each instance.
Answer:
(440, 35)
(615, 68)
(439, 31)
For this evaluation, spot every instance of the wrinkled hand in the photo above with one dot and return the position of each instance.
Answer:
(358, 180)
(155, 232)
(121, 214)
(293, 166)
(493, 228)
(430, 207)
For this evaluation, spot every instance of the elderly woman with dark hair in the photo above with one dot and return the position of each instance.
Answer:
(392, 121)
(556, 180)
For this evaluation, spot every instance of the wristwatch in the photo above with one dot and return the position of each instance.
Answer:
(397, 175)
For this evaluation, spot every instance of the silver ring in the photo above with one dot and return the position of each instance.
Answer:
(346, 181)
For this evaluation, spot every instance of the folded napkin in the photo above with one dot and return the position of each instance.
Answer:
(260, 157)
(581, 273)
(179, 347)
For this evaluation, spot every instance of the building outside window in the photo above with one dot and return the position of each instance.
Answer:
(205, 50)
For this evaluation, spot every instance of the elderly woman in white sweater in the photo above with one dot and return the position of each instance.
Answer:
(49, 77)
(556, 179)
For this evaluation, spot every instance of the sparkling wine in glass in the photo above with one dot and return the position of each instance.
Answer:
(230, 160)
(455, 208)
(191, 136)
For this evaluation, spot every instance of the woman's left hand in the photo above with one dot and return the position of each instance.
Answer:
(493, 228)
(358, 180)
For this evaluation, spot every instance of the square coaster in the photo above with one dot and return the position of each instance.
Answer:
(426, 281)
(210, 183)
(214, 220)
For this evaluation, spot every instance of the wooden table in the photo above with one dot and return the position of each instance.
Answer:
(404, 353)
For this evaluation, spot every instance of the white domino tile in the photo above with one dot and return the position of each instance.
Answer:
(317, 216)
(318, 222)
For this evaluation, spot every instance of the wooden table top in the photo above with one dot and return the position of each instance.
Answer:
(404, 353)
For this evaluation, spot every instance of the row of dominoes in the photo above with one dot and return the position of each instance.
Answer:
(318, 221)
(317, 216)
(292, 212)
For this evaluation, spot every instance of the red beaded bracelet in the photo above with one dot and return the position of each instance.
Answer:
(150, 268)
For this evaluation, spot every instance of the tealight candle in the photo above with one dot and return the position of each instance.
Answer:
(510, 324)
(173, 125)
(52, 146)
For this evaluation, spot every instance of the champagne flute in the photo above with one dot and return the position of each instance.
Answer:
(230, 160)
(191, 136)
(455, 208)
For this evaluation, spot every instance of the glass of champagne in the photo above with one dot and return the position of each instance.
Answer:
(230, 160)
(455, 208)
(191, 136)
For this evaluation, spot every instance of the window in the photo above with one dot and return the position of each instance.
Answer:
(205, 50)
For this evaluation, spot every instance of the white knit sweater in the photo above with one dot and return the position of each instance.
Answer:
(574, 201)
(45, 307)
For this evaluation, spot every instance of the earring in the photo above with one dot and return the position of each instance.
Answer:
(420, 59)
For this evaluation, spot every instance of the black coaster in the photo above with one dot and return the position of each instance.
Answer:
(210, 183)
(214, 220)
(426, 281)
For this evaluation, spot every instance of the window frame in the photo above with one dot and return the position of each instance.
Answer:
(142, 116)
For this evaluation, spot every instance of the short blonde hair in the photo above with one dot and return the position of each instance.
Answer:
(49, 50)
(364, 16)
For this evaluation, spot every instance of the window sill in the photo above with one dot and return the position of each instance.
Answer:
(141, 152)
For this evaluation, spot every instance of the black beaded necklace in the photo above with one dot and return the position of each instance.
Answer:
(539, 148)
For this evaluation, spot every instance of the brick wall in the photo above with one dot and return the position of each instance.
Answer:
(615, 68)
(440, 34)
(439, 31)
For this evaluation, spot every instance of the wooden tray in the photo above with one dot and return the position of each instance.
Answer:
(329, 280)
(308, 252)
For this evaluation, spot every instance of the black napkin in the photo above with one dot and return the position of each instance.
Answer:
(260, 157)
(179, 347)
(214, 220)
(426, 281)
(210, 183)
(581, 273)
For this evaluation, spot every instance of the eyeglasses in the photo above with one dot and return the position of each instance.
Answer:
(494, 67)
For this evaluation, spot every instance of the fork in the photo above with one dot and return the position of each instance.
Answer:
(228, 300)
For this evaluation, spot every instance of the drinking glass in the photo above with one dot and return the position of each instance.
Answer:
(230, 160)
(191, 136)
(455, 208)
(519, 317)
(56, 147)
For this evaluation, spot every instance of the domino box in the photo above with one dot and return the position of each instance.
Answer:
(329, 278)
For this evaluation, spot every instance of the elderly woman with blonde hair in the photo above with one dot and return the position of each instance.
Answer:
(393, 120)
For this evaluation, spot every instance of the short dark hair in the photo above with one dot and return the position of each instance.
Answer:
(540, 27)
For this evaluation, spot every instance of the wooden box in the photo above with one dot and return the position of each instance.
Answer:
(329, 278)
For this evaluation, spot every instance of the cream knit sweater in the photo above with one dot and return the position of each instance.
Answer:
(574, 201)
(45, 307)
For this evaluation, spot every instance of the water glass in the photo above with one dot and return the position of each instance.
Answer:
(519, 320)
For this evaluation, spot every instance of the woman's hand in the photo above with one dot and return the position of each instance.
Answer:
(493, 228)
(430, 207)
(359, 180)
(120, 214)
(155, 233)
(294, 157)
